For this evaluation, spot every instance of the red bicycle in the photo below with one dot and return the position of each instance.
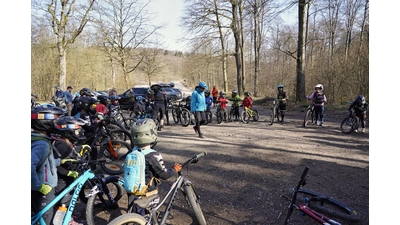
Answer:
(315, 205)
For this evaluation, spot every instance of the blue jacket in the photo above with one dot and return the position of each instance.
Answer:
(198, 101)
(47, 173)
(68, 97)
(209, 101)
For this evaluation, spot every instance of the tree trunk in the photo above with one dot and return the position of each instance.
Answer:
(300, 67)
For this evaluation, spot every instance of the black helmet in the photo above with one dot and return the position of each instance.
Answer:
(43, 115)
(360, 100)
(188, 98)
(86, 92)
(207, 92)
(221, 93)
(86, 104)
(69, 127)
(103, 99)
(247, 93)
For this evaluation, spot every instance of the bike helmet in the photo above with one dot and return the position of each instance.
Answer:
(234, 93)
(103, 99)
(140, 99)
(207, 92)
(360, 100)
(69, 127)
(86, 104)
(42, 117)
(246, 93)
(150, 92)
(203, 84)
(86, 92)
(221, 93)
(188, 98)
(144, 132)
(279, 86)
(114, 99)
(319, 86)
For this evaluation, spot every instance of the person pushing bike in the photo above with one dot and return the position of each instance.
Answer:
(360, 106)
(319, 98)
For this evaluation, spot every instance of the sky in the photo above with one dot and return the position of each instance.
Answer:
(384, 49)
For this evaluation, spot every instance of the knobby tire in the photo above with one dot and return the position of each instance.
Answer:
(185, 117)
(308, 118)
(193, 201)
(256, 116)
(100, 209)
(175, 114)
(349, 124)
(245, 117)
(272, 118)
(129, 218)
(219, 116)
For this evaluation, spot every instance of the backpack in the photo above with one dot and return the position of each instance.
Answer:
(37, 137)
(134, 171)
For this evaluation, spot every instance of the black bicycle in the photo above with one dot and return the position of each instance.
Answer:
(154, 215)
(275, 113)
(220, 113)
(309, 117)
(350, 123)
(208, 115)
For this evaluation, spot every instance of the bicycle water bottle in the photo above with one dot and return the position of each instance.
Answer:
(60, 214)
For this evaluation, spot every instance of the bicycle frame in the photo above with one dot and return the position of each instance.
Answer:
(78, 183)
(320, 218)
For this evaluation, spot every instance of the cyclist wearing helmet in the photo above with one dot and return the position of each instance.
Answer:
(209, 100)
(247, 101)
(319, 98)
(360, 106)
(114, 102)
(281, 98)
(160, 105)
(144, 133)
(235, 104)
(102, 106)
(223, 101)
(198, 106)
(214, 95)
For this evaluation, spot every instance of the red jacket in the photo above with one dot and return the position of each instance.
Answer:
(247, 102)
(214, 92)
(223, 102)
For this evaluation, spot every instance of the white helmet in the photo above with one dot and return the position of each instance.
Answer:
(319, 86)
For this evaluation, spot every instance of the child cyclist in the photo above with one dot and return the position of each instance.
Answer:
(281, 98)
(360, 106)
(235, 99)
(209, 100)
(144, 133)
(223, 101)
(247, 101)
(319, 98)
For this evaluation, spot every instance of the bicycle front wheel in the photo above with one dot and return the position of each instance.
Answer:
(349, 124)
(175, 114)
(255, 115)
(185, 117)
(329, 206)
(245, 117)
(308, 118)
(230, 115)
(129, 219)
(272, 117)
(100, 208)
(193, 202)
(219, 116)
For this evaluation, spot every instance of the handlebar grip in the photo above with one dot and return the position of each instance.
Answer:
(303, 176)
(198, 156)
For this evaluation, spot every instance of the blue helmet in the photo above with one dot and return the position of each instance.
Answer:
(203, 84)
(279, 86)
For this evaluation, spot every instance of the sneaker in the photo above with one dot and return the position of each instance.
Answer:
(194, 128)
(201, 135)
(317, 123)
(321, 124)
(363, 130)
(356, 131)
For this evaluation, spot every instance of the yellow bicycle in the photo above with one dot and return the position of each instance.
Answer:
(249, 113)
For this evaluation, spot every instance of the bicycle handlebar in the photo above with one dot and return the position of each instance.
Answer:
(194, 159)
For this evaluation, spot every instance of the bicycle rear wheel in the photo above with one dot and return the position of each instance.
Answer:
(219, 116)
(175, 114)
(193, 202)
(230, 115)
(255, 115)
(245, 117)
(185, 117)
(129, 219)
(349, 124)
(99, 207)
(329, 206)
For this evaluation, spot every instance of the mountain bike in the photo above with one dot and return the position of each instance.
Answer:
(249, 113)
(275, 113)
(350, 123)
(231, 113)
(309, 117)
(152, 204)
(208, 115)
(220, 113)
(124, 122)
(315, 205)
(176, 111)
(77, 185)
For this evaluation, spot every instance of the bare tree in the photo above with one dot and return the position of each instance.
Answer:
(67, 19)
(150, 65)
(125, 26)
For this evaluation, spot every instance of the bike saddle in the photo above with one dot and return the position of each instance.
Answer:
(144, 202)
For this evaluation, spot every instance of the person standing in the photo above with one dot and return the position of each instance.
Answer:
(214, 93)
(281, 97)
(132, 99)
(198, 106)
(58, 96)
(112, 92)
(68, 99)
(319, 98)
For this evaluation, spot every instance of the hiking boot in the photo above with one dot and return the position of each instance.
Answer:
(363, 130)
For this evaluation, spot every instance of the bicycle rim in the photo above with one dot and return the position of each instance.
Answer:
(307, 118)
(329, 206)
(272, 117)
(185, 117)
(245, 117)
(122, 148)
(193, 202)
(219, 117)
(129, 219)
(99, 209)
(349, 124)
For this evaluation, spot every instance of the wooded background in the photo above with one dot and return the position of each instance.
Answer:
(236, 44)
